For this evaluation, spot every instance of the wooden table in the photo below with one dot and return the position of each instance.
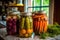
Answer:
(9, 37)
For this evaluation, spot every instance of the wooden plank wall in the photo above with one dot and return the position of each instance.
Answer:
(57, 11)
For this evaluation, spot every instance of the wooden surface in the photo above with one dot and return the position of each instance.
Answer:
(57, 11)
(9, 37)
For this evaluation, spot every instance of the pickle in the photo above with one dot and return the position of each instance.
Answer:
(22, 23)
(31, 23)
(27, 23)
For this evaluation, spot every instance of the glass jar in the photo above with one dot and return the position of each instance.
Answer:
(26, 25)
(39, 22)
(12, 21)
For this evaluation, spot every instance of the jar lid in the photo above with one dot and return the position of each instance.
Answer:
(39, 12)
(43, 12)
(26, 13)
(14, 10)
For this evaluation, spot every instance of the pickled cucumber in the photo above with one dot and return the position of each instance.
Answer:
(27, 23)
(31, 22)
(22, 22)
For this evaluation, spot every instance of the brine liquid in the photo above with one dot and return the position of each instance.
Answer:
(26, 26)
(11, 26)
(39, 23)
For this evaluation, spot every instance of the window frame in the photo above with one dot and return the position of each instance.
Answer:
(51, 9)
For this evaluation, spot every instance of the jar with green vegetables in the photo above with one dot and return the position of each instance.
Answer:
(26, 25)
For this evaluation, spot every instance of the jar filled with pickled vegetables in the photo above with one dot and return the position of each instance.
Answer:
(12, 20)
(26, 25)
(40, 22)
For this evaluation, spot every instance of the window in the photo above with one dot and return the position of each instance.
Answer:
(39, 5)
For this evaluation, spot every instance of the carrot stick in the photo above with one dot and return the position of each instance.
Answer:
(37, 16)
(38, 25)
(45, 26)
(34, 25)
(41, 26)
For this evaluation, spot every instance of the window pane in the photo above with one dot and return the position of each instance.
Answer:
(29, 10)
(36, 3)
(46, 9)
(45, 2)
(35, 9)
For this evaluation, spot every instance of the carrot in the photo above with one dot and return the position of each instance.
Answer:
(37, 16)
(42, 17)
(34, 25)
(38, 25)
(42, 25)
(45, 26)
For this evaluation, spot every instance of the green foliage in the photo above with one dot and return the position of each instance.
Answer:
(37, 2)
(43, 35)
(46, 9)
(46, 2)
(52, 31)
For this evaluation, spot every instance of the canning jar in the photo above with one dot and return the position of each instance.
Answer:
(40, 22)
(12, 22)
(26, 25)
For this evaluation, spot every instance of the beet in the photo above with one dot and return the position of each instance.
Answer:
(11, 26)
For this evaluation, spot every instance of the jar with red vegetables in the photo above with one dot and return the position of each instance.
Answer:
(39, 22)
(12, 20)
(26, 25)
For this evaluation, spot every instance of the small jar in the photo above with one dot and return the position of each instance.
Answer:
(12, 22)
(26, 25)
(39, 22)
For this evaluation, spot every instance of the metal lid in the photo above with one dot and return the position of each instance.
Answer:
(40, 12)
(14, 10)
(26, 13)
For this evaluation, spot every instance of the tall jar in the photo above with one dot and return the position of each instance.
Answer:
(26, 25)
(40, 22)
(12, 21)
